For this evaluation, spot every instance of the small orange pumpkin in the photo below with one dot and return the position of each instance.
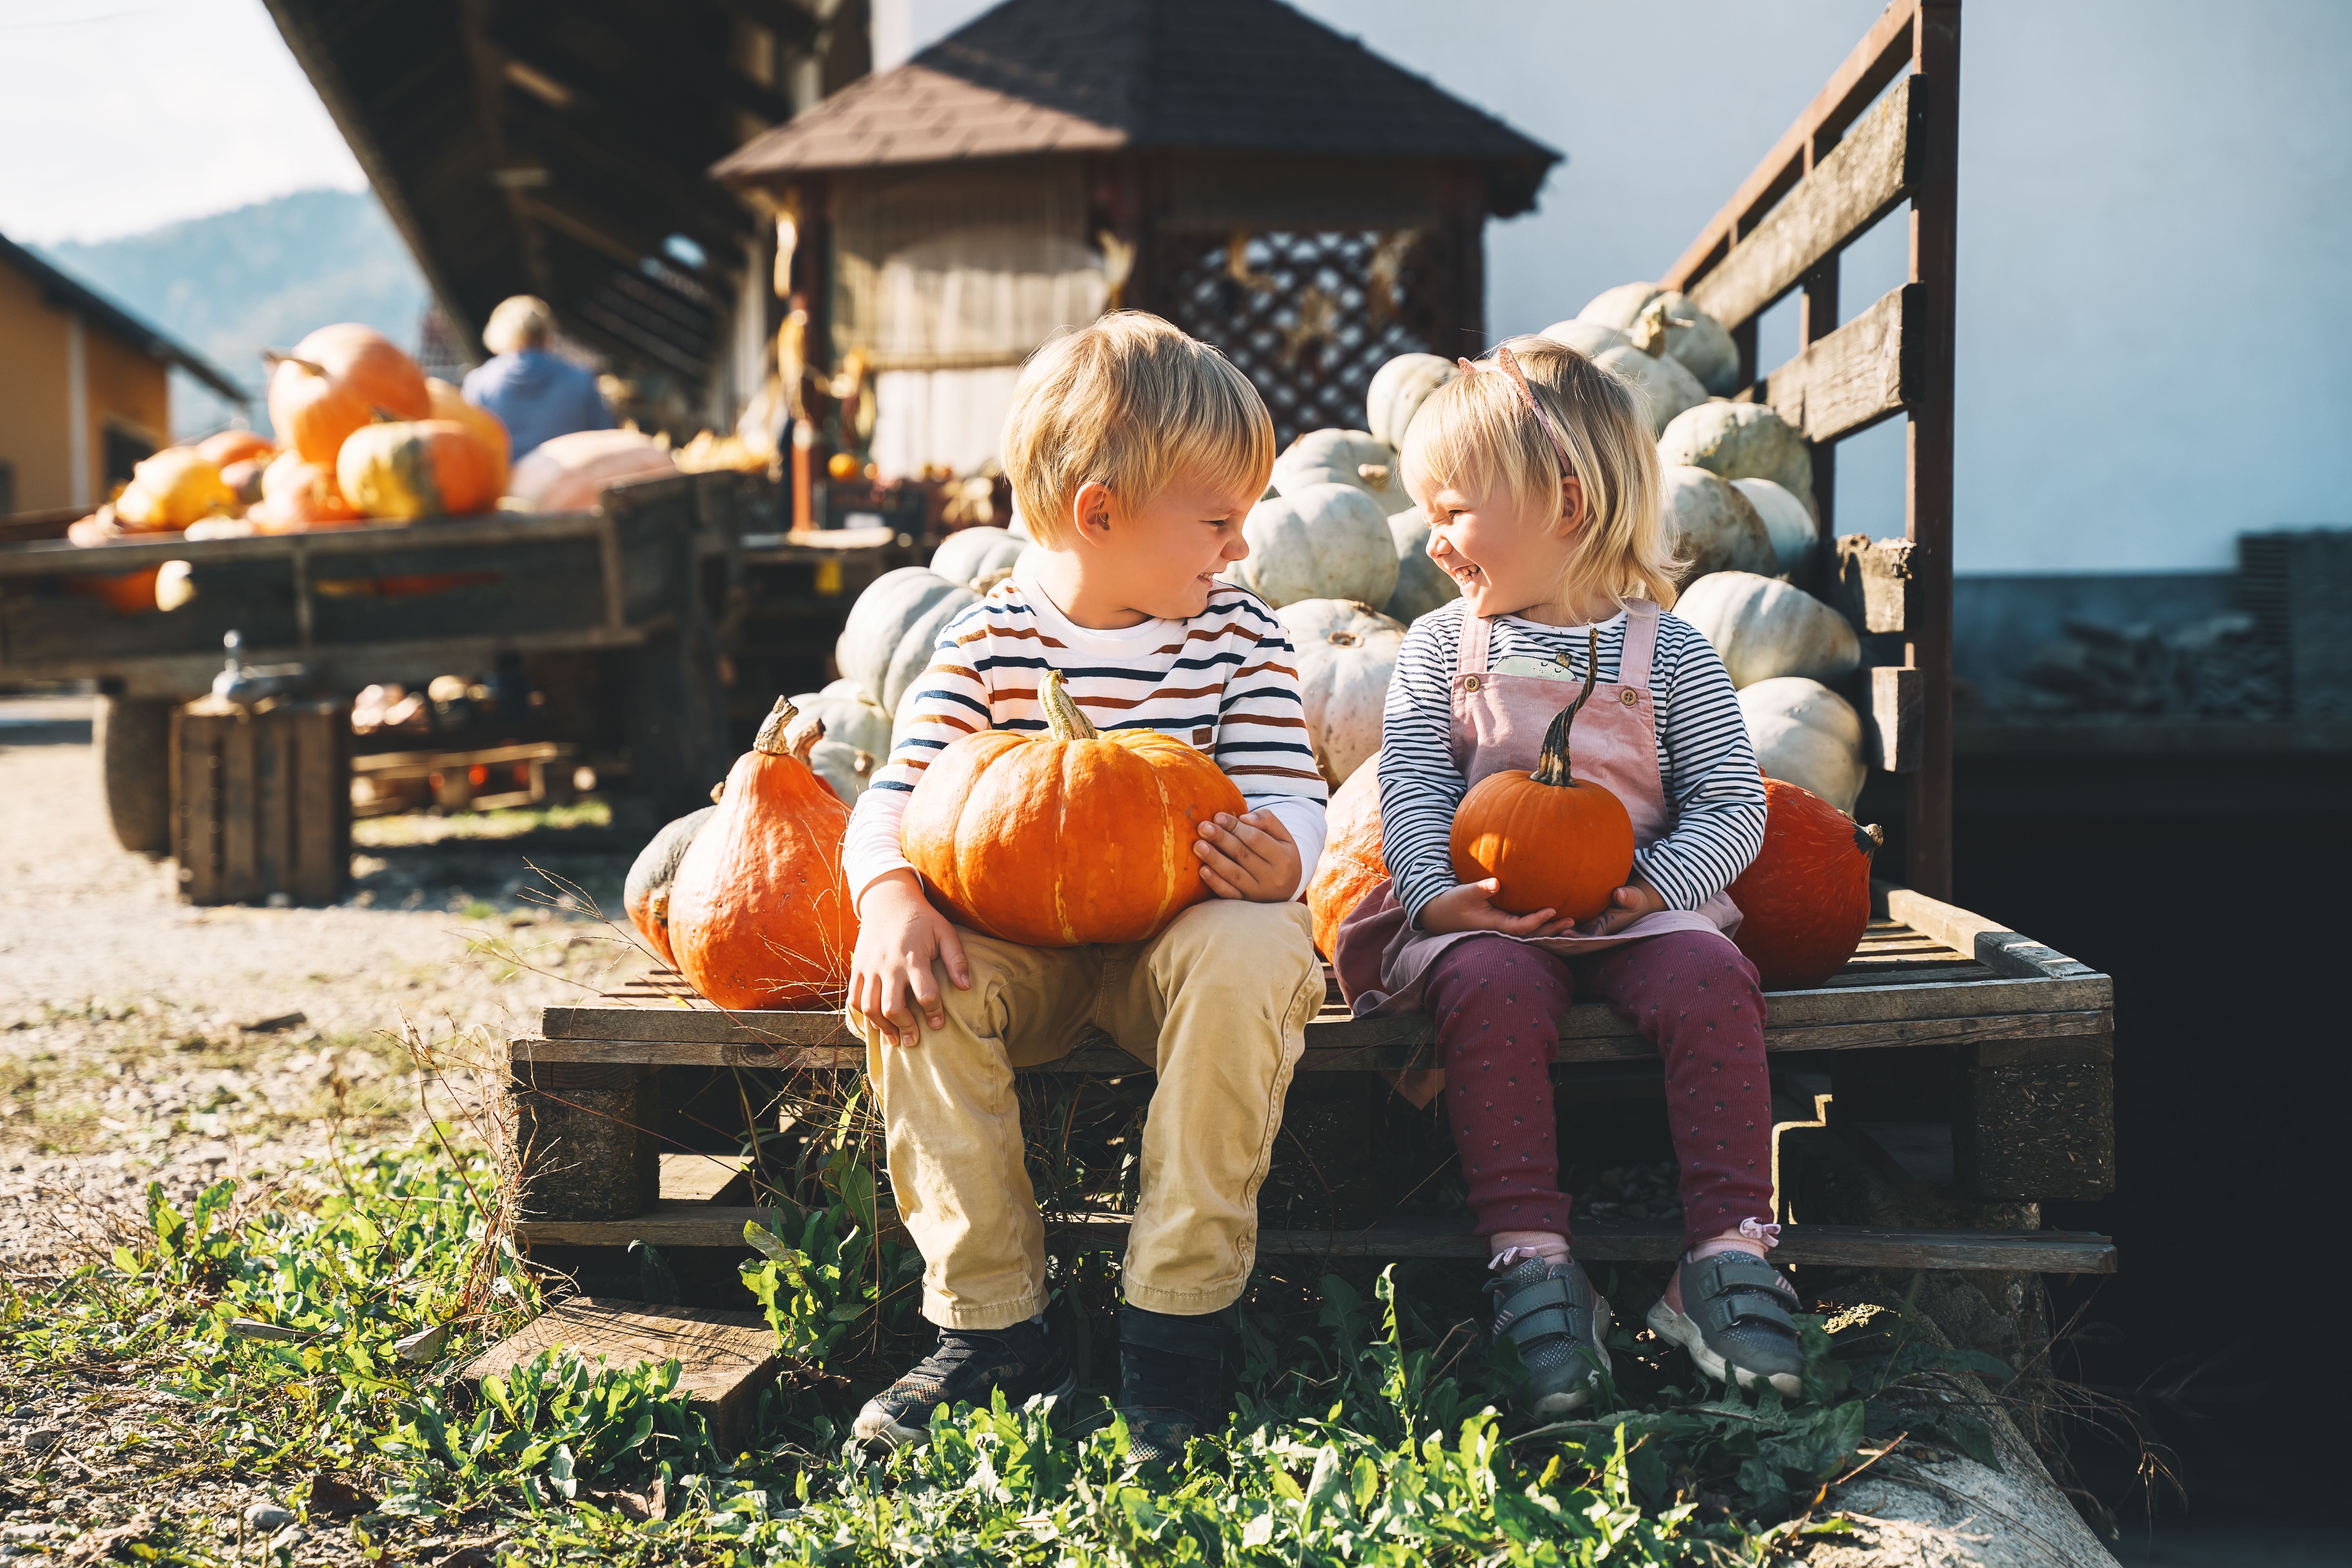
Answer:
(759, 916)
(448, 403)
(1555, 841)
(646, 894)
(1805, 900)
(1353, 862)
(296, 496)
(421, 468)
(1068, 837)
(227, 446)
(337, 380)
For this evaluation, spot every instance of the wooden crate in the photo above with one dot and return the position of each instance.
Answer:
(261, 800)
(2025, 1023)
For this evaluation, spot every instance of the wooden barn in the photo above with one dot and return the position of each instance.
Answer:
(1263, 182)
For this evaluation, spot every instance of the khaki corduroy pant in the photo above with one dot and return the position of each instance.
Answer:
(1216, 1005)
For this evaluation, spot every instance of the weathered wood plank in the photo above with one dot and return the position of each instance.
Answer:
(1896, 723)
(1856, 375)
(1992, 945)
(724, 1357)
(1338, 1047)
(1859, 182)
(688, 1178)
(1855, 1246)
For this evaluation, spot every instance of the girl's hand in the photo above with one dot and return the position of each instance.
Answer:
(1470, 906)
(1252, 857)
(1629, 904)
(899, 934)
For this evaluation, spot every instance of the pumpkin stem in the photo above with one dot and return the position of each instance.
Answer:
(276, 359)
(771, 739)
(1064, 717)
(1551, 767)
(1870, 840)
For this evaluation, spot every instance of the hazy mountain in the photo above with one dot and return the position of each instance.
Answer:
(230, 285)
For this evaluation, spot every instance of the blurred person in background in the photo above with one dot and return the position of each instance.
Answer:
(538, 394)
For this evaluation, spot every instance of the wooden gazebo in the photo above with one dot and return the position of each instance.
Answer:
(1269, 186)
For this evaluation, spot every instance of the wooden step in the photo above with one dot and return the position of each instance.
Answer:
(1833, 1246)
(724, 1357)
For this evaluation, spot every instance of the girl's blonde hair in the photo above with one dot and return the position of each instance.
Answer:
(1479, 429)
(1129, 400)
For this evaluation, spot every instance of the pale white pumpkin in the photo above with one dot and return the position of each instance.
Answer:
(972, 554)
(1765, 629)
(1669, 388)
(1795, 539)
(1325, 541)
(849, 717)
(892, 628)
(847, 768)
(1398, 389)
(1356, 459)
(1701, 345)
(1587, 338)
(1741, 441)
(1347, 654)
(1421, 584)
(1711, 526)
(1807, 736)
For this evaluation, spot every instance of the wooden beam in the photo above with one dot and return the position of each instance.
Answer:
(1878, 59)
(1855, 185)
(724, 1358)
(1859, 375)
(1995, 946)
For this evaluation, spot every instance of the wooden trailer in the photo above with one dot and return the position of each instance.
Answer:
(629, 591)
(1963, 1061)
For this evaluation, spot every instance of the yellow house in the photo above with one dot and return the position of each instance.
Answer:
(85, 388)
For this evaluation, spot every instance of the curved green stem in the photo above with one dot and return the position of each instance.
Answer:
(1551, 767)
(1064, 717)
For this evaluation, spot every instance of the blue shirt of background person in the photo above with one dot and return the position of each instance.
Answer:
(536, 395)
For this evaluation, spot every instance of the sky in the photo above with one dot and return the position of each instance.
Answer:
(2156, 201)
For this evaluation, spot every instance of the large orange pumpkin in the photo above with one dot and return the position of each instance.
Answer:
(1557, 842)
(1805, 900)
(1068, 837)
(336, 380)
(296, 496)
(448, 403)
(423, 468)
(646, 894)
(1353, 863)
(759, 916)
(228, 446)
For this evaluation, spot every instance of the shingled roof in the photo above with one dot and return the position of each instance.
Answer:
(1092, 75)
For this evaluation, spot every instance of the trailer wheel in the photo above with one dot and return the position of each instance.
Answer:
(133, 740)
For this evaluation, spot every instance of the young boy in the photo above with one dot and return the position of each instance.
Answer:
(1135, 454)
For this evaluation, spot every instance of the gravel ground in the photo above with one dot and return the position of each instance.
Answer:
(142, 1040)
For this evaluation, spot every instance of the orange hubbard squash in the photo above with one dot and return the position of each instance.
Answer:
(646, 894)
(421, 467)
(336, 380)
(1805, 900)
(759, 916)
(225, 446)
(448, 403)
(296, 496)
(1353, 863)
(1555, 841)
(1068, 837)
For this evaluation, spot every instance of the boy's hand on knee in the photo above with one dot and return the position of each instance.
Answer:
(891, 978)
(1252, 857)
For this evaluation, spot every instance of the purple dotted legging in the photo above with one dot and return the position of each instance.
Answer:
(1693, 994)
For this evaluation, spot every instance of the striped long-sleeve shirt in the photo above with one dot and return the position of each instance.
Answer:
(1713, 793)
(1226, 680)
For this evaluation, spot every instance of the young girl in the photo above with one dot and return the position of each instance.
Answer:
(1540, 481)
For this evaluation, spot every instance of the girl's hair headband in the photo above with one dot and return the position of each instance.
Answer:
(1506, 364)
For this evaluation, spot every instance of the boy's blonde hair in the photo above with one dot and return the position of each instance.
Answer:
(1477, 428)
(1129, 400)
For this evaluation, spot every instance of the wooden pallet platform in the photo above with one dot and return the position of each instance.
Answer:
(1926, 975)
(1833, 1246)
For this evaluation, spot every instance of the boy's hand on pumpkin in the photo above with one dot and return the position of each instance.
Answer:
(899, 935)
(1629, 904)
(1252, 857)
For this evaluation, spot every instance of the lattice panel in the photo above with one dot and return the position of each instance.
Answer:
(1309, 317)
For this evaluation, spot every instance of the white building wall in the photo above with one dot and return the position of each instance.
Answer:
(2156, 210)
